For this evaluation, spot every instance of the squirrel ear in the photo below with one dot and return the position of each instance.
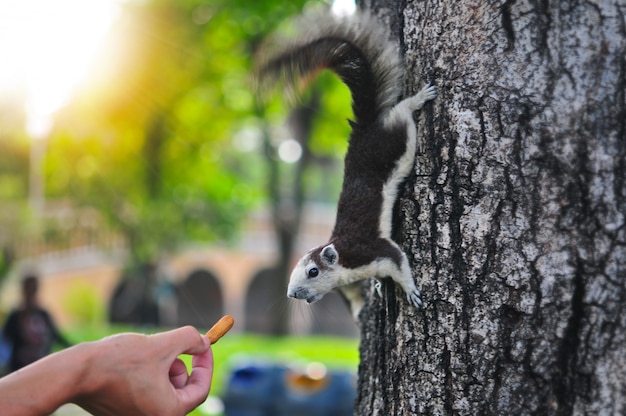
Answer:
(329, 254)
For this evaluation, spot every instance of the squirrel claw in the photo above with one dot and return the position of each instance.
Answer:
(415, 298)
(379, 288)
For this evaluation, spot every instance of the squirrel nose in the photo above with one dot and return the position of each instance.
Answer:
(298, 293)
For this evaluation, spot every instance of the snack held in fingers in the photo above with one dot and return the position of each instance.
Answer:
(221, 327)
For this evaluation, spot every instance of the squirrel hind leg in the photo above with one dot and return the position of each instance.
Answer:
(417, 101)
(403, 111)
(427, 93)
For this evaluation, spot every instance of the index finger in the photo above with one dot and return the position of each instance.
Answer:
(198, 385)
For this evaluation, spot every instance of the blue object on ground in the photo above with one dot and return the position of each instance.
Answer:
(274, 390)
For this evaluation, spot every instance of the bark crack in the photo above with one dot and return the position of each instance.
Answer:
(507, 24)
(567, 371)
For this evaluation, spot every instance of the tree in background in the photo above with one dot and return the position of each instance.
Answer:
(286, 196)
(290, 185)
(515, 218)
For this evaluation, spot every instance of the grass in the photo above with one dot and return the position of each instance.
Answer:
(233, 349)
(333, 352)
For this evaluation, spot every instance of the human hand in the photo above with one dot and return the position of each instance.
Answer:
(134, 374)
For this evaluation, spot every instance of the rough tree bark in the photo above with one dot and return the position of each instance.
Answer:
(514, 219)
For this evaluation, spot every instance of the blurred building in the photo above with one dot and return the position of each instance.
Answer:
(194, 286)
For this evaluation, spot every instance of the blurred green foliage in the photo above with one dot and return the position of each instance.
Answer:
(84, 304)
(163, 138)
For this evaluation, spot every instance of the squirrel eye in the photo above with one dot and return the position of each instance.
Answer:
(313, 272)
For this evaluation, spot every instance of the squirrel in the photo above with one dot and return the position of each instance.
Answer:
(380, 155)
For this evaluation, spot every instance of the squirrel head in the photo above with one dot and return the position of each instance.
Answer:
(315, 274)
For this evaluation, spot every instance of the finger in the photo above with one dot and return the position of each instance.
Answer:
(185, 340)
(199, 382)
(202, 370)
(178, 374)
(202, 362)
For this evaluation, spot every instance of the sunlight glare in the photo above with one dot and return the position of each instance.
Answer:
(290, 151)
(343, 7)
(46, 48)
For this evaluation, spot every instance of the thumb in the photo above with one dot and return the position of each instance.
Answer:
(186, 340)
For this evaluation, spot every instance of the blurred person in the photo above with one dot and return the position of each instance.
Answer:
(125, 374)
(30, 329)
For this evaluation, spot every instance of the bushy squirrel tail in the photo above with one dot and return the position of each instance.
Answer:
(356, 47)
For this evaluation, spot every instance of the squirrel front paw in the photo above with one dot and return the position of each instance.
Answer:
(415, 298)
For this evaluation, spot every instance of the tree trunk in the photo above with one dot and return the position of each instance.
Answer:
(514, 219)
(287, 203)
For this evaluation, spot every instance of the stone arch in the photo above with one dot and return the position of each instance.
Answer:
(133, 301)
(200, 299)
(258, 300)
